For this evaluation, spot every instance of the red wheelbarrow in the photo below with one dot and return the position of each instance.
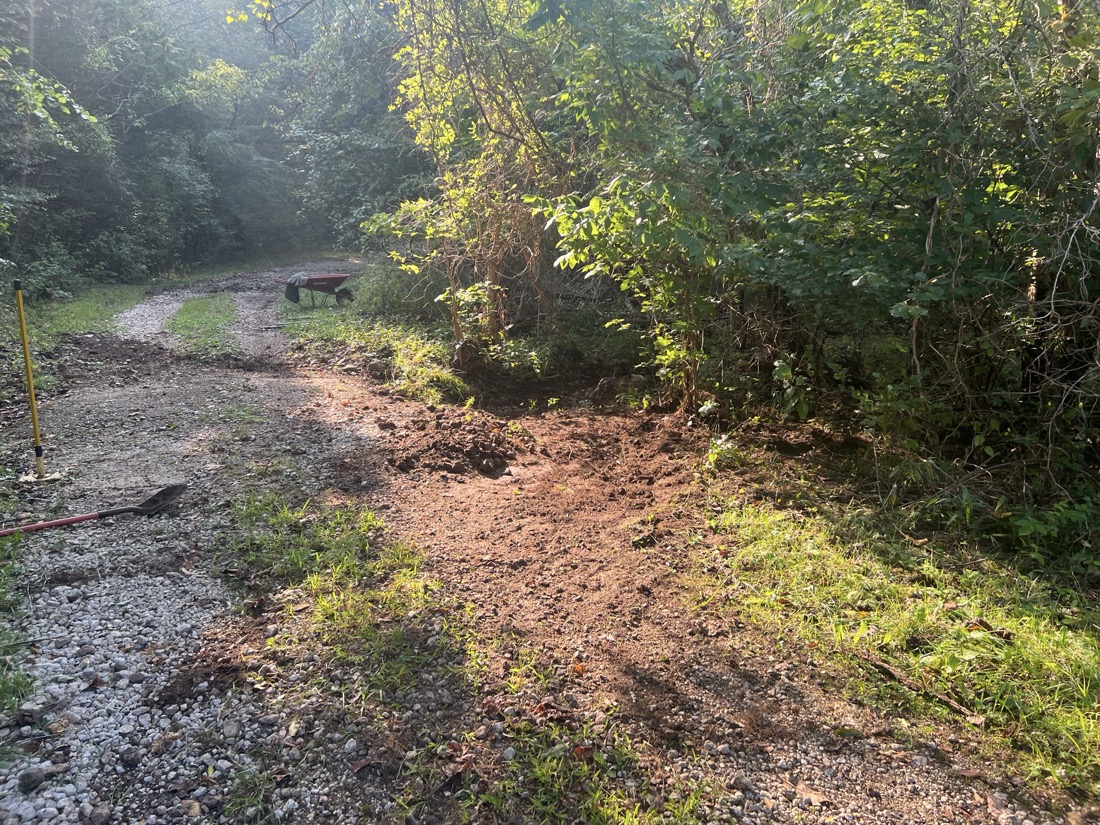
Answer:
(324, 283)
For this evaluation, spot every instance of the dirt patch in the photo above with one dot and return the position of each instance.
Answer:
(453, 441)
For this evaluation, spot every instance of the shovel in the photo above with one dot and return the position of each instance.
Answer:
(154, 504)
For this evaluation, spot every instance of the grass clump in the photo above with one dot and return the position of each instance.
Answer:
(203, 324)
(561, 774)
(283, 544)
(14, 683)
(371, 605)
(416, 362)
(1018, 650)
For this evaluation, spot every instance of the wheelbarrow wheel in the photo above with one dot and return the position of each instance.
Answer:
(344, 296)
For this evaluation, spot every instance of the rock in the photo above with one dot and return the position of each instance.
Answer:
(101, 815)
(743, 783)
(509, 754)
(31, 779)
(130, 757)
(191, 807)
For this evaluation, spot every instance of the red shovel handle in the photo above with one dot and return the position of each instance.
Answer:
(42, 525)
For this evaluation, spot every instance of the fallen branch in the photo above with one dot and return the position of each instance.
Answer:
(887, 669)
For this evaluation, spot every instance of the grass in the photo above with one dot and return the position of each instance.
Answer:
(558, 773)
(371, 606)
(415, 360)
(92, 310)
(14, 684)
(544, 763)
(203, 324)
(1018, 650)
(251, 799)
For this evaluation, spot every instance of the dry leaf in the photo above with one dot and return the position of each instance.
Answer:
(804, 791)
(583, 752)
(995, 804)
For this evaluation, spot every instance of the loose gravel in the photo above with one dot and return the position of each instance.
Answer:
(128, 721)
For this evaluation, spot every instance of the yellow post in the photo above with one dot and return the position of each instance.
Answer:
(41, 468)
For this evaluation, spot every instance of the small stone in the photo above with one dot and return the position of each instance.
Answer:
(101, 815)
(743, 783)
(509, 754)
(191, 807)
(31, 779)
(130, 757)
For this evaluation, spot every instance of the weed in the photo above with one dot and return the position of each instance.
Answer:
(251, 798)
(723, 454)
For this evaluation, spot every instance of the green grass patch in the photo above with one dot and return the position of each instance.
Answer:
(252, 796)
(284, 544)
(370, 603)
(1020, 650)
(91, 310)
(559, 774)
(203, 324)
(415, 361)
(14, 683)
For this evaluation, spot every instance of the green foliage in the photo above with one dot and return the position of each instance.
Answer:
(283, 544)
(146, 149)
(91, 310)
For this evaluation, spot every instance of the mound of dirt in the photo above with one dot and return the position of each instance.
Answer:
(454, 441)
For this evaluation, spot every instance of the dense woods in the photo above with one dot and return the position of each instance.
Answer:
(881, 211)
